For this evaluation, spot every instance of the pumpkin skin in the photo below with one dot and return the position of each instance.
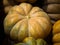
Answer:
(56, 38)
(56, 27)
(32, 41)
(56, 44)
(24, 21)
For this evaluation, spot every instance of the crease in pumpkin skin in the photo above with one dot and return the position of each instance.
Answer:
(34, 29)
(18, 9)
(26, 7)
(24, 30)
(31, 32)
(15, 35)
(11, 24)
(15, 28)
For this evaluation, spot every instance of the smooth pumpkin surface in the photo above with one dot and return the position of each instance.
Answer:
(24, 21)
(56, 27)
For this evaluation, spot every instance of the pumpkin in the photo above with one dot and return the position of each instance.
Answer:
(32, 41)
(56, 44)
(56, 27)
(56, 33)
(52, 8)
(52, 1)
(56, 38)
(24, 21)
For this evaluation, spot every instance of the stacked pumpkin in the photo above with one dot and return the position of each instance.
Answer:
(26, 21)
(56, 33)
(8, 4)
(52, 7)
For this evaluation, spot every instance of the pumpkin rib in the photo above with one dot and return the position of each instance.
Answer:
(25, 7)
(35, 9)
(23, 31)
(34, 28)
(10, 24)
(44, 29)
(12, 34)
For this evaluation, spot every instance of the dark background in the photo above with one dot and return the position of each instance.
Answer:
(39, 3)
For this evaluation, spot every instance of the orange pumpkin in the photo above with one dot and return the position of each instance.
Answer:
(56, 27)
(24, 20)
(56, 33)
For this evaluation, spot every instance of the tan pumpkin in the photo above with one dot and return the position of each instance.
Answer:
(24, 20)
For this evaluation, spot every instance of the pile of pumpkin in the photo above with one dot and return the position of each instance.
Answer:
(29, 25)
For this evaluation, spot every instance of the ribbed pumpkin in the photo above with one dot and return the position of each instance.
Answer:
(56, 33)
(32, 41)
(24, 20)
